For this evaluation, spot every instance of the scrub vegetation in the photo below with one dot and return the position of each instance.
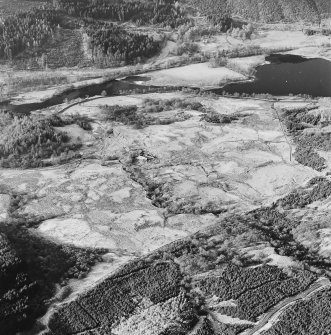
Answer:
(317, 189)
(308, 143)
(147, 114)
(31, 141)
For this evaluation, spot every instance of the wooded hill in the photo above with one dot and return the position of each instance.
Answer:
(265, 10)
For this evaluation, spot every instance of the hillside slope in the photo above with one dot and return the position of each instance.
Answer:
(16, 290)
(266, 10)
(324, 6)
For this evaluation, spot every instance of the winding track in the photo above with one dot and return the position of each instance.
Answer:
(276, 311)
(282, 127)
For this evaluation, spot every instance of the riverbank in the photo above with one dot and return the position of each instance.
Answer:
(36, 86)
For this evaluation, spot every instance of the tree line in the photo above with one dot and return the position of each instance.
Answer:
(305, 317)
(262, 10)
(113, 44)
(26, 30)
(29, 142)
(164, 12)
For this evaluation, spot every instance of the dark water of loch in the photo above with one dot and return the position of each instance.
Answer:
(284, 75)
(287, 74)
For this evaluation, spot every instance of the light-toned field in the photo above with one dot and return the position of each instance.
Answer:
(4, 206)
(92, 206)
(233, 167)
(196, 75)
(202, 75)
(269, 38)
